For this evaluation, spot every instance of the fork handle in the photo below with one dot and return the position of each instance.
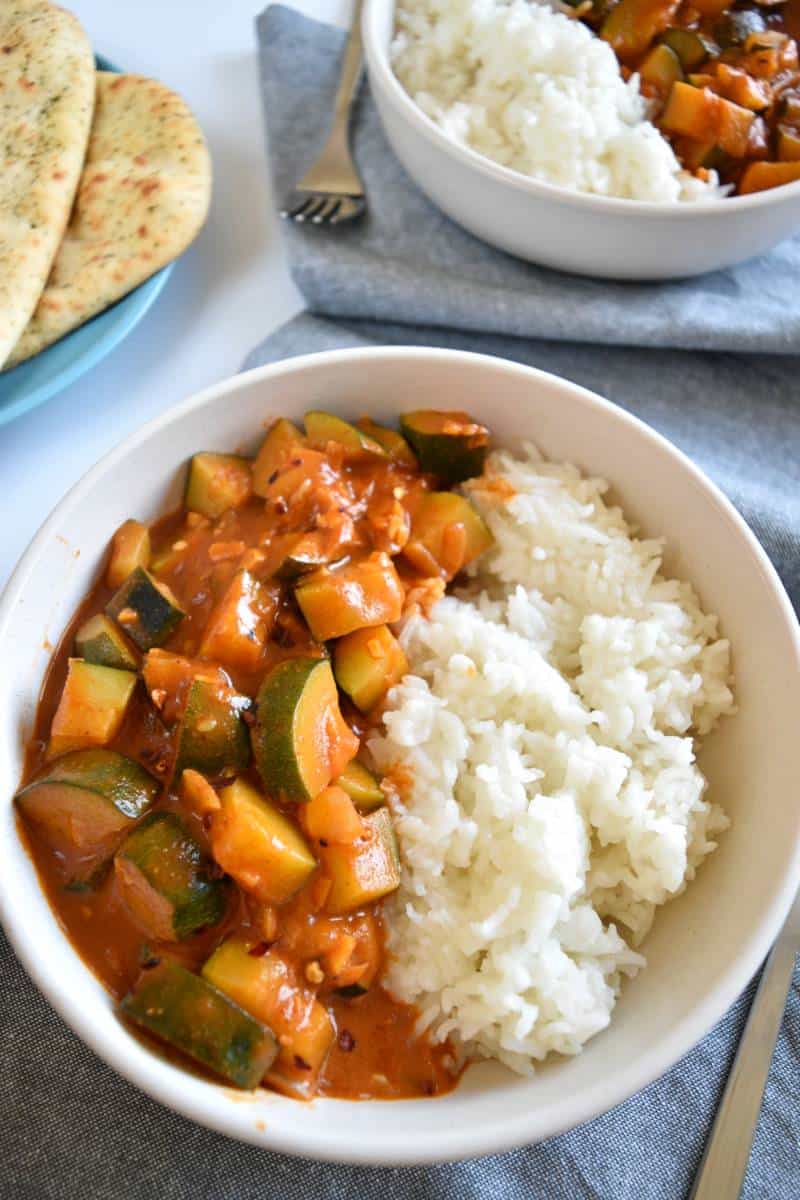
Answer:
(352, 64)
(724, 1164)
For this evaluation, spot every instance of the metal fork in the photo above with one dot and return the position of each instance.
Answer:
(332, 192)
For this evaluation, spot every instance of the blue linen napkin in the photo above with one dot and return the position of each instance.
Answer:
(70, 1126)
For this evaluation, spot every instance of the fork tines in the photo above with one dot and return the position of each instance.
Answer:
(323, 208)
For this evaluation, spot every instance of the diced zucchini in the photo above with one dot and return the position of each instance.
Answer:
(734, 28)
(165, 880)
(190, 1014)
(276, 449)
(217, 482)
(168, 678)
(212, 734)
(130, 548)
(99, 641)
(367, 663)
(239, 626)
(264, 986)
(661, 69)
(362, 593)
(691, 47)
(361, 786)
(450, 531)
(632, 25)
(300, 739)
(788, 144)
(322, 428)
(448, 444)
(741, 88)
(295, 554)
(393, 443)
(364, 871)
(759, 176)
(700, 114)
(84, 803)
(92, 707)
(145, 609)
(262, 849)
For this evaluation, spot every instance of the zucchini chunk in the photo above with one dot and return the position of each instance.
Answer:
(361, 786)
(239, 626)
(363, 593)
(212, 734)
(393, 443)
(448, 444)
(92, 707)
(363, 871)
(699, 113)
(367, 663)
(262, 849)
(661, 69)
(322, 428)
(217, 482)
(759, 176)
(691, 47)
(99, 641)
(297, 553)
(185, 1011)
(300, 740)
(165, 881)
(632, 25)
(145, 609)
(84, 803)
(276, 449)
(130, 548)
(168, 678)
(449, 531)
(265, 986)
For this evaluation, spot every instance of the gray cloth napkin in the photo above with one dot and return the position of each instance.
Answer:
(408, 262)
(71, 1129)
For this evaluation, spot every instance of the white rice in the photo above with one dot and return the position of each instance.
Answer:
(549, 730)
(537, 91)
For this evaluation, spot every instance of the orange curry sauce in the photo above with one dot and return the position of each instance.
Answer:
(377, 1052)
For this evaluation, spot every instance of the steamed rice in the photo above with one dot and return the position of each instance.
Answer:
(538, 92)
(546, 736)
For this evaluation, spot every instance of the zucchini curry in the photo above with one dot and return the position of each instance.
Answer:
(198, 798)
(724, 80)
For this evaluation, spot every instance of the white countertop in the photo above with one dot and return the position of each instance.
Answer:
(225, 294)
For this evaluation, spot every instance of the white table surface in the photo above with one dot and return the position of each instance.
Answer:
(228, 291)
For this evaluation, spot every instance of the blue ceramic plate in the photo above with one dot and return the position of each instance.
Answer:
(34, 381)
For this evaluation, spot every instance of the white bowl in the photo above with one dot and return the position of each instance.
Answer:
(705, 946)
(573, 231)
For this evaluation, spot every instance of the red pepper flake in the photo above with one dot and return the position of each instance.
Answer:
(272, 477)
(346, 1041)
(301, 1063)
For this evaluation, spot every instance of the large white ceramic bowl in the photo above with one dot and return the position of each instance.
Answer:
(704, 947)
(573, 231)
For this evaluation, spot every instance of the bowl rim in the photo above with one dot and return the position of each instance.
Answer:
(381, 73)
(193, 1097)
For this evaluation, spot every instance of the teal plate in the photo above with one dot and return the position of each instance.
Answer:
(41, 377)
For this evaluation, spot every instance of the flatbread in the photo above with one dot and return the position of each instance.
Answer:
(142, 198)
(47, 83)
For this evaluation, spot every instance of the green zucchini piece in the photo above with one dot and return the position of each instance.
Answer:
(99, 641)
(165, 879)
(145, 609)
(360, 594)
(191, 1015)
(302, 552)
(276, 449)
(691, 47)
(661, 69)
(83, 805)
(448, 444)
(367, 663)
(92, 707)
(733, 28)
(361, 786)
(261, 848)
(450, 530)
(264, 986)
(393, 443)
(130, 548)
(362, 872)
(300, 740)
(212, 734)
(217, 482)
(322, 427)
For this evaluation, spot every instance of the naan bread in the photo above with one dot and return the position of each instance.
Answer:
(142, 198)
(47, 84)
